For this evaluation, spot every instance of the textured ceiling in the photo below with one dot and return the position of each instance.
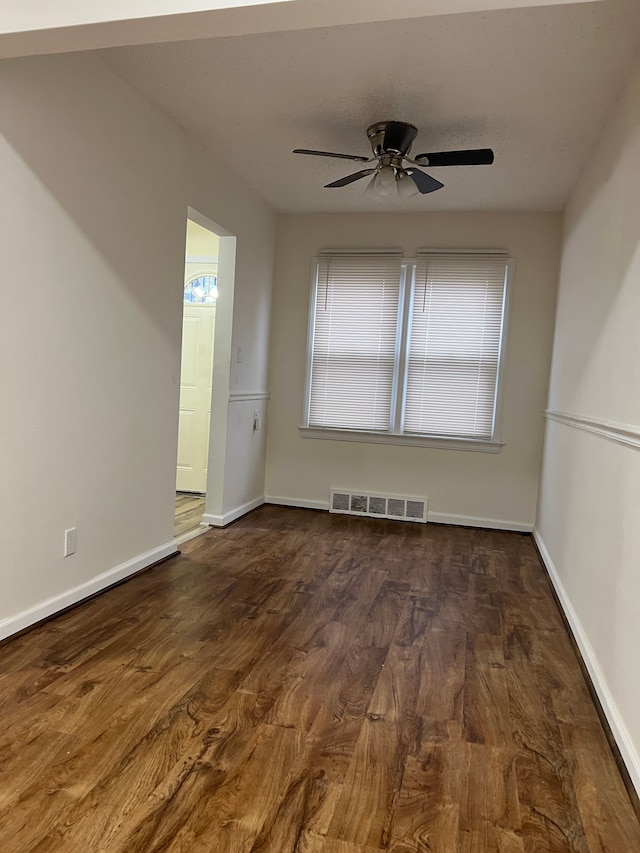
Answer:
(534, 84)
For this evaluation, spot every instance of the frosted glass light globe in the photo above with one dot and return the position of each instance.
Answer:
(406, 185)
(384, 181)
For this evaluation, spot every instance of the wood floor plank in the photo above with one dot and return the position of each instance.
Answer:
(427, 811)
(486, 694)
(382, 619)
(492, 808)
(60, 786)
(313, 788)
(188, 515)
(195, 745)
(550, 814)
(333, 845)
(442, 674)
(310, 690)
(230, 819)
(301, 682)
(607, 815)
(364, 811)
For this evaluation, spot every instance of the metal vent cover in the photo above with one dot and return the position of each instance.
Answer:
(379, 506)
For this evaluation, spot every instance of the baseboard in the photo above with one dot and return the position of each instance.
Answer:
(436, 517)
(473, 521)
(15, 624)
(624, 743)
(301, 504)
(232, 514)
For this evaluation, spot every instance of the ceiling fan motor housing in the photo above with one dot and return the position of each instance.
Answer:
(391, 137)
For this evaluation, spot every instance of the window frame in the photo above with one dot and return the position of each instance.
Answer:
(395, 434)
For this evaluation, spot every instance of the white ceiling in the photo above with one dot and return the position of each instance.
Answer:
(534, 84)
(41, 26)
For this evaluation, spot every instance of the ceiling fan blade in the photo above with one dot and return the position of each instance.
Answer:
(474, 157)
(424, 182)
(332, 154)
(349, 179)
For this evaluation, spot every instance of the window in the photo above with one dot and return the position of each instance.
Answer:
(406, 351)
(202, 290)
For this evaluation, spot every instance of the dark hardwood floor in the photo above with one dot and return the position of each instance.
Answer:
(307, 683)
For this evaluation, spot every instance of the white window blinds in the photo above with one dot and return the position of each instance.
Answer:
(454, 344)
(355, 332)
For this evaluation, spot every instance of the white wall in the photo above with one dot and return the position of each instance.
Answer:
(590, 488)
(95, 190)
(201, 242)
(496, 488)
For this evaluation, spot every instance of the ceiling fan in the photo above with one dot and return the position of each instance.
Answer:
(390, 143)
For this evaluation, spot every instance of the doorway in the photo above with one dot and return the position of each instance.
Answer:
(200, 261)
(200, 297)
(196, 373)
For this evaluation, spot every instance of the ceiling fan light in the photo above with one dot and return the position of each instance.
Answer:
(371, 192)
(406, 185)
(384, 181)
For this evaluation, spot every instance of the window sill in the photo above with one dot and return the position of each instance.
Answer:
(364, 437)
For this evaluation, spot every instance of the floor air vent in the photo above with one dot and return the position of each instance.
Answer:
(379, 506)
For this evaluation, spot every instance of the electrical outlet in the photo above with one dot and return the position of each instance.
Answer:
(70, 541)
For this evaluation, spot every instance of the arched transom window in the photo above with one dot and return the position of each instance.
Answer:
(203, 289)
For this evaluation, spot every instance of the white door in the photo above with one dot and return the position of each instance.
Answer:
(195, 397)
